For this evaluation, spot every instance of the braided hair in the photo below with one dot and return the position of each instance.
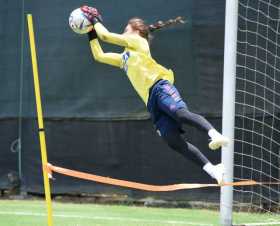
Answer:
(146, 30)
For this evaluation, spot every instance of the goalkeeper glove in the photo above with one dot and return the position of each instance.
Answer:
(91, 14)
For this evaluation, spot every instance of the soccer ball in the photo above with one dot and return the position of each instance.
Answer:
(79, 23)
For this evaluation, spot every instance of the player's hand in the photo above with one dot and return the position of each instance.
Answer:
(91, 14)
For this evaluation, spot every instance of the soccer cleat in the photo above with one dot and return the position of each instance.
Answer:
(219, 173)
(218, 141)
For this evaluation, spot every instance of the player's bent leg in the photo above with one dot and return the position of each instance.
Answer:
(175, 141)
(183, 115)
(189, 151)
(171, 103)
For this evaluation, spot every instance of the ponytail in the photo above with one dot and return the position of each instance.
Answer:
(146, 30)
(171, 22)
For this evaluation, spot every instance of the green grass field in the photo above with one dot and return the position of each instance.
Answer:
(33, 213)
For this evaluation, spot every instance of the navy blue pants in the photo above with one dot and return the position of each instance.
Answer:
(169, 112)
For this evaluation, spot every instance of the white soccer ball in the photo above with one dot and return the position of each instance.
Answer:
(79, 23)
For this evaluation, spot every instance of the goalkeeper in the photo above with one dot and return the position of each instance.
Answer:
(154, 84)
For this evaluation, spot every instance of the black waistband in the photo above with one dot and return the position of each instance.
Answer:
(151, 88)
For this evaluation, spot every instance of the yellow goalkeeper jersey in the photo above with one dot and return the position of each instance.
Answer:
(142, 70)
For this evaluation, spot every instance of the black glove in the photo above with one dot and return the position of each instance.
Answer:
(92, 35)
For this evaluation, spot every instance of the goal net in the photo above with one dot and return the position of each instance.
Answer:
(257, 121)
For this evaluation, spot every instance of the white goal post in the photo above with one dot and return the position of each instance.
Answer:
(251, 110)
(229, 107)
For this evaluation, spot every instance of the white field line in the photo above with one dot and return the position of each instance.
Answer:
(172, 222)
(261, 224)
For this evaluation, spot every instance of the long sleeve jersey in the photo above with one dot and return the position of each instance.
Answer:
(142, 70)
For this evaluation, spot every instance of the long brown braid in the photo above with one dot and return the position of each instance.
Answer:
(160, 24)
(146, 30)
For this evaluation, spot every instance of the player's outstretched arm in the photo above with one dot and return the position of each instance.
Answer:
(94, 16)
(110, 37)
(114, 59)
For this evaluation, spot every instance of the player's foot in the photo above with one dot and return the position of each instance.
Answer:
(219, 173)
(218, 141)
